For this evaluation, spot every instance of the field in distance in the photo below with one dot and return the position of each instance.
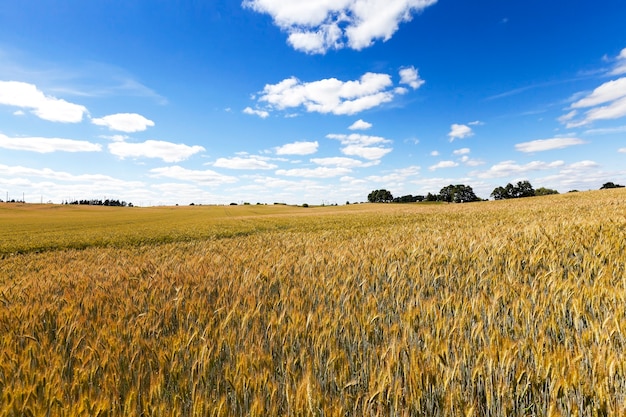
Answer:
(513, 308)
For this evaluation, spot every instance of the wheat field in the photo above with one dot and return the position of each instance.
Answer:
(507, 308)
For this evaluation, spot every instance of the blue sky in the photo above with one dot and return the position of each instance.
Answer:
(211, 102)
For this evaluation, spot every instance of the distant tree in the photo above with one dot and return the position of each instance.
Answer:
(499, 193)
(609, 185)
(521, 189)
(459, 193)
(545, 191)
(431, 197)
(408, 199)
(380, 196)
(525, 189)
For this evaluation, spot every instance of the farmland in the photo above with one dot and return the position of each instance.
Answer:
(500, 308)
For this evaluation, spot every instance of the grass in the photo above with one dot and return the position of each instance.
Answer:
(510, 308)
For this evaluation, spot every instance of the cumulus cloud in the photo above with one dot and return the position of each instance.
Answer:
(261, 113)
(28, 96)
(50, 174)
(462, 151)
(360, 125)
(364, 146)
(459, 131)
(124, 122)
(166, 151)
(410, 77)
(330, 95)
(315, 26)
(319, 172)
(250, 162)
(443, 164)
(205, 177)
(508, 168)
(297, 148)
(621, 150)
(47, 145)
(541, 145)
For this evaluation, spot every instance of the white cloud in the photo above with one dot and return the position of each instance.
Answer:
(330, 95)
(366, 152)
(611, 95)
(24, 95)
(167, 151)
(620, 66)
(397, 176)
(410, 77)
(343, 162)
(315, 26)
(567, 117)
(607, 92)
(319, 172)
(114, 138)
(297, 148)
(360, 145)
(605, 131)
(548, 144)
(621, 150)
(357, 139)
(508, 168)
(205, 177)
(124, 122)
(443, 164)
(462, 151)
(47, 173)
(476, 123)
(458, 131)
(250, 162)
(261, 113)
(360, 125)
(47, 145)
(434, 153)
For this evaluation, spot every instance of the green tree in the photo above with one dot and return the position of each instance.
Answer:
(499, 193)
(380, 196)
(545, 191)
(608, 185)
(459, 193)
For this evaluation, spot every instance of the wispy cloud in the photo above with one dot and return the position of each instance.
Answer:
(47, 145)
(343, 162)
(509, 168)
(319, 172)
(249, 162)
(204, 177)
(541, 145)
(443, 164)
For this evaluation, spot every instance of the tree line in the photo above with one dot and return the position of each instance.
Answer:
(95, 202)
(462, 193)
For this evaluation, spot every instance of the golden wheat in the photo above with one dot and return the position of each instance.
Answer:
(510, 308)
